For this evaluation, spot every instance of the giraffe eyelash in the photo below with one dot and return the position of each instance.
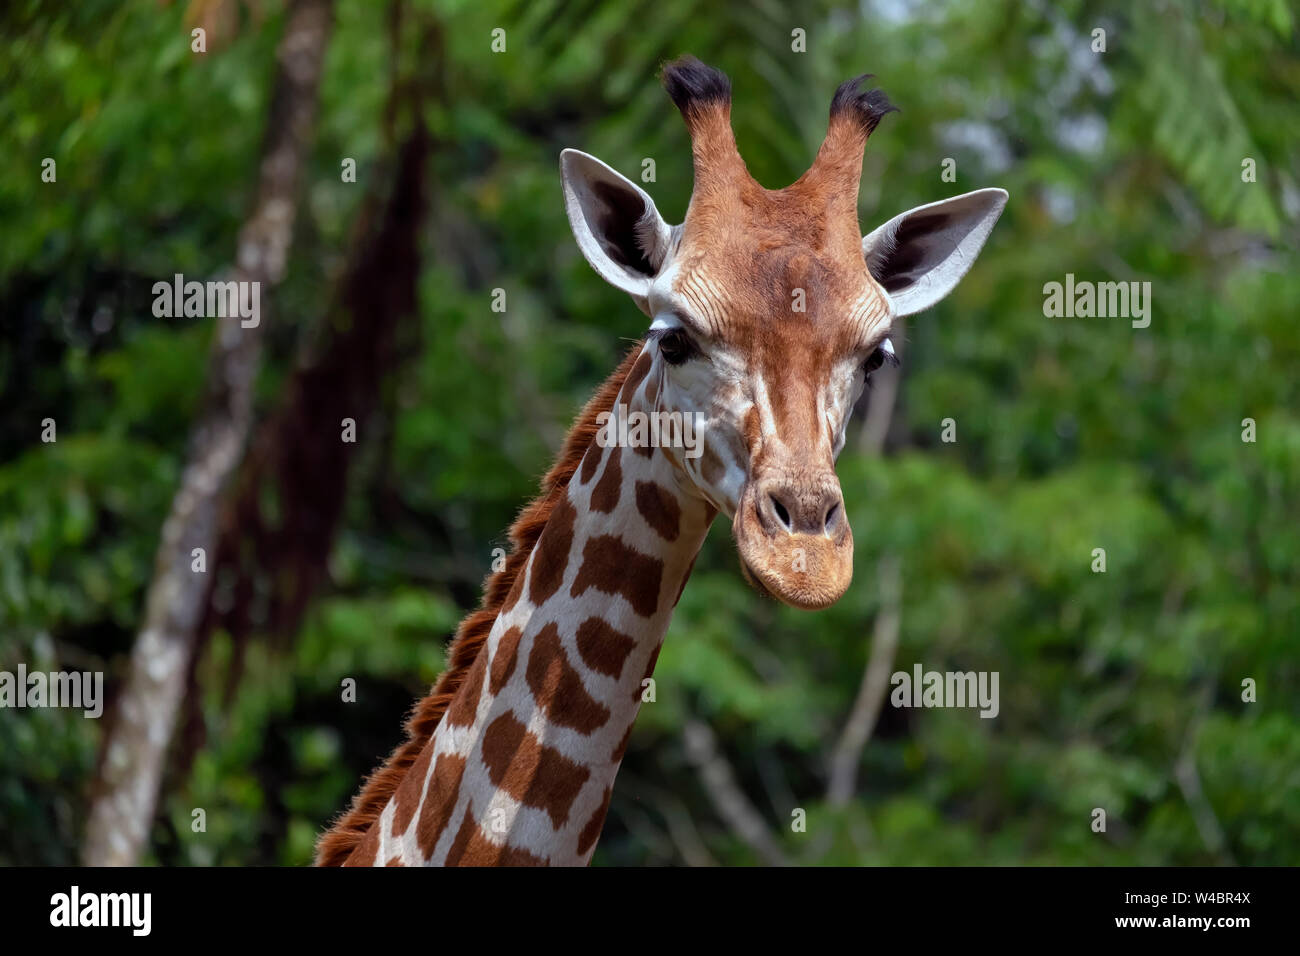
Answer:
(887, 356)
(891, 357)
(682, 348)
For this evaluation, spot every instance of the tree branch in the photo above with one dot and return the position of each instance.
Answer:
(871, 691)
(122, 807)
(728, 799)
(1189, 782)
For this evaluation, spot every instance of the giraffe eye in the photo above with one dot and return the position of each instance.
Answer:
(675, 346)
(883, 354)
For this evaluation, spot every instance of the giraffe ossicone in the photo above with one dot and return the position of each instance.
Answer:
(769, 310)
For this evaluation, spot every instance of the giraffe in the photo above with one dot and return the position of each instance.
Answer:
(769, 309)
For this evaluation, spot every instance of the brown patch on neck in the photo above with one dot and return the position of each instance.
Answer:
(557, 686)
(463, 710)
(472, 848)
(612, 567)
(587, 838)
(659, 508)
(441, 800)
(603, 649)
(590, 462)
(409, 793)
(503, 661)
(604, 497)
(552, 553)
(351, 830)
(536, 775)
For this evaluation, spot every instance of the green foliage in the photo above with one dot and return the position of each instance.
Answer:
(1120, 690)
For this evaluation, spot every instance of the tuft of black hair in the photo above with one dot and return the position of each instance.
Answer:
(864, 107)
(692, 84)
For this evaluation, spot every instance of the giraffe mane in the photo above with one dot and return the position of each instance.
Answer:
(336, 844)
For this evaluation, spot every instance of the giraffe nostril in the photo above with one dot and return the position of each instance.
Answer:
(781, 514)
(832, 513)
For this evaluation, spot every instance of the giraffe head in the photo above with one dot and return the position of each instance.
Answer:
(769, 311)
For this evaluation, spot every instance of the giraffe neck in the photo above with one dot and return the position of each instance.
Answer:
(521, 767)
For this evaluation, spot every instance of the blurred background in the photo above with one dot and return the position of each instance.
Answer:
(1119, 690)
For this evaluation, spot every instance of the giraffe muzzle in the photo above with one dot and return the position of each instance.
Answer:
(794, 540)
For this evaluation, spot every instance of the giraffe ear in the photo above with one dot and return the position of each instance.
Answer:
(921, 255)
(617, 226)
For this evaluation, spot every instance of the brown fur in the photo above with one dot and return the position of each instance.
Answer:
(746, 256)
(348, 832)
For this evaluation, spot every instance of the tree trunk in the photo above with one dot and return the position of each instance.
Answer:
(122, 808)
